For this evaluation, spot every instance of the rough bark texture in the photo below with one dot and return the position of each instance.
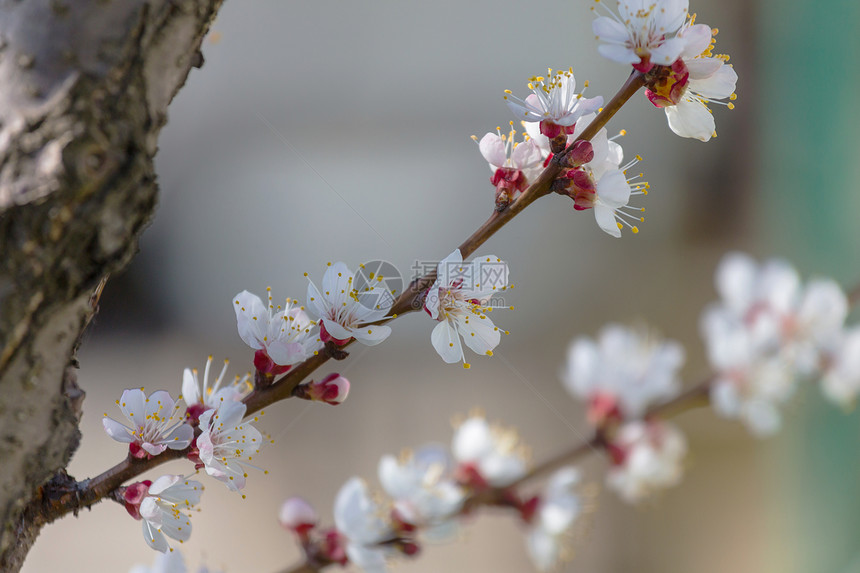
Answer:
(84, 89)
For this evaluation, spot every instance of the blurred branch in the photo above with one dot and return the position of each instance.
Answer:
(500, 497)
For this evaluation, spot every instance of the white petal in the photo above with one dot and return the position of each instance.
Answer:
(543, 549)
(489, 273)
(613, 189)
(691, 118)
(479, 333)
(446, 342)
(285, 353)
(133, 405)
(316, 301)
(720, 85)
(605, 217)
(154, 538)
(609, 30)
(618, 53)
(448, 268)
(701, 69)
(582, 367)
(735, 280)
(669, 51)
(526, 155)
(180, 437)
(252, 318)
(163, 483)
(337, 330)
(117, 431)
(372, 335)
(472, 440)
(159, 403)
(493, 149)
(522, 112)
(190, 388)
(696, 38)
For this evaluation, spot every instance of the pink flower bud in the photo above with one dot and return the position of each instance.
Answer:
(133, 496)
(298, 515)
(581, 153)
(333, 389)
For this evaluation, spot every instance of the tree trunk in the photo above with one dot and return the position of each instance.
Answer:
(84, 89)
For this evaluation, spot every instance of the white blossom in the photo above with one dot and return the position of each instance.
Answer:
(602, 184)
(696, 80)
(751, 381)
(284, 334)
(162, 510)
(226, 443)
(488, 454)
(647, 457)
(460, 299)
(643, 32)
(201, 396)
(767, 331)
(625, 371)
(345, 312)
(297, 514)
(156, 423)
(558, 508)
(554, 102)
(359, 518)
(841, 380)
(423, 488)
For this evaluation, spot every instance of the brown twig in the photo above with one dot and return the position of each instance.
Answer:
(56, 502)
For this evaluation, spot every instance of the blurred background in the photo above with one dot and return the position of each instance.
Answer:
(328, 130)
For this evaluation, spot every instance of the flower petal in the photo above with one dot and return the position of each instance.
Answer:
(446, 342)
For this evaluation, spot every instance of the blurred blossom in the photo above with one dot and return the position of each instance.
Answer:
(558, 507)
(623, 373)
(646, 457)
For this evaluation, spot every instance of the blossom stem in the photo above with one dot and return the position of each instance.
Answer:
(692, 398)
(57, 501)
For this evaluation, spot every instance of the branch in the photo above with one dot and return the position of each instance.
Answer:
(88, 492)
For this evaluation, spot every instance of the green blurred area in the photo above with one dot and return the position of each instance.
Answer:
(810, 201)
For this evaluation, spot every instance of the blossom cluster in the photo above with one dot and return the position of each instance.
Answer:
(768, 332)
(209, 431)
(660, 38)
(555, 116)
(621, 376)
(459, 299)
(430, 490)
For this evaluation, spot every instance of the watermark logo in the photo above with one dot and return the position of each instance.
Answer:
(466, 275)
(378, 284)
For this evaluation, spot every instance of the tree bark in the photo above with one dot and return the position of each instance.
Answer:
(84, 90)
